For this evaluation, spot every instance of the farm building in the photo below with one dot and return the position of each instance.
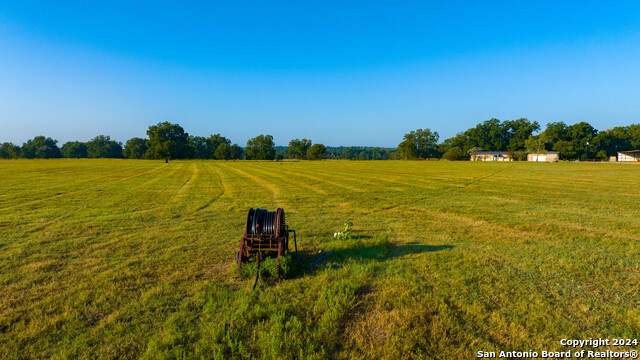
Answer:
(490, 156)
(550, 156)
(631, 155)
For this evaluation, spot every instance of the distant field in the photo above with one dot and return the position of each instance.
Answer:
(129, 259)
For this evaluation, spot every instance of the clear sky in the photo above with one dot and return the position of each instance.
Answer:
(337, 72)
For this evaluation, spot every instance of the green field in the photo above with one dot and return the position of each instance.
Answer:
(130, 259)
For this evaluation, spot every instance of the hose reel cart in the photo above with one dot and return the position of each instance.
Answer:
(266, 234)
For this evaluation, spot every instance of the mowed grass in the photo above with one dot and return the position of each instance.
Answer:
(135, 259)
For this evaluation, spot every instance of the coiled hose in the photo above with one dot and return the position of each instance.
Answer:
(262, 221)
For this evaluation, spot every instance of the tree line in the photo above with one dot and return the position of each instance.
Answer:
(517, 137)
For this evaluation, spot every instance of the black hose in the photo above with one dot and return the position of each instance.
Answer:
(257, 272)
(262, 222)
(295, 244)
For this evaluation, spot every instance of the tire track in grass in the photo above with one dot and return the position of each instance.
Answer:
(350, 176)
(357, 175)
(275, 174)
(72, 212)
(163, 205)
(79, 191)
(199, 187)
(275, 192)
(326, 181)
(44, 190)
(217, 197)
(192, 176)
(332, 175)
(444, 192)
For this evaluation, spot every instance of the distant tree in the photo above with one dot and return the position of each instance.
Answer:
(200, 147)
(602, 155)
(223, 152)
(493, 135)
(282, 153)
(537, 144)
(454, 153)
(167, 141)
(611, 141)
(135, 148)
(40, 147)
(103, 147)
(518, 131)
(9, 151)
(518, 155)
(565, 149)
(298, 148)
(235, 152)
(633, 134)
(215, 141)
(421, 144)
(557, 131)
(261, 147)
(349, 153)
(359, 153)
(473, 149)
(205, 147)
(74, 150)
(581, 133)
(407, 150)
(489, 135)
(316, 152)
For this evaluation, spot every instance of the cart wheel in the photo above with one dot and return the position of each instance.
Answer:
(238, 258)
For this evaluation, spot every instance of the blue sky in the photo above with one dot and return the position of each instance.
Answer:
(339, 73)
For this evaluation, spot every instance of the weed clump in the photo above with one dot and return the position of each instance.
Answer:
(289, 267)
(345, 233)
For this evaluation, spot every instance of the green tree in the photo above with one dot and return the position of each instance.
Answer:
(215, 141)
(489, 135)
(517, 132)
(261, 147)
(582, 133)
(282, 153)
(9, 151)
(298, 148)
(537, 144)
(236, 152)
(74, 149)
(633, 134)
(135, 148)
(200, 147)
(421, 144)
(613, 140)
(103, 147)
(565, 149)
(223, 152)
(316, 152)
(602, 155)
(40, 147)
(205, 147)
(407, 150)
(167, 141)
(454, 153)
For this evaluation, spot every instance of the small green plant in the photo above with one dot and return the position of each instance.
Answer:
(269, 267)
(344, 234)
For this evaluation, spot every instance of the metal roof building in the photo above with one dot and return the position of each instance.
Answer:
(490, 156)
(549, 156)
(631, 155)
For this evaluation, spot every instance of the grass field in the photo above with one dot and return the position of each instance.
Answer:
(130, 259)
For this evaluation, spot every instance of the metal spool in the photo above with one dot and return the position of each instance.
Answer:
(263, 222)
(266, 234)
